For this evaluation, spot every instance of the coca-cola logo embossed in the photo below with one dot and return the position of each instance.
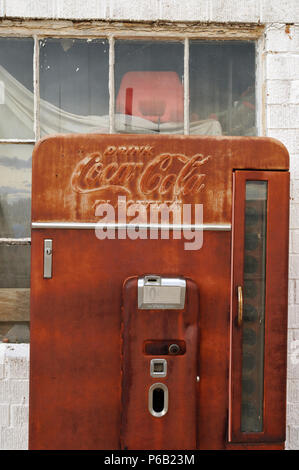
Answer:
(136, 171)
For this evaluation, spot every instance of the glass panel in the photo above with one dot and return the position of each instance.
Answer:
(15, 266)
(14, 293)
(15, 190)
(74, 85)
(253, 330)
(222, 88)
(149, 92)
(16, 88)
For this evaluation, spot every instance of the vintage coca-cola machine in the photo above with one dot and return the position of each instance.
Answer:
(159, 292)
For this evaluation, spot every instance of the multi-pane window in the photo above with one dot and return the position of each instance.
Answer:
(101, 85)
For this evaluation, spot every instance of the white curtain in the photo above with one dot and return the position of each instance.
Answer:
(17, 104)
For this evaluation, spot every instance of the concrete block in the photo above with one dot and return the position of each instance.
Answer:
(293, 414)
(294, 166)
(282, 116)
(135, 10)
(4, 395)
(293, 438)
(30, 8)
(294, 91)
(293, 391)
(2, 360)
(19, 415)
(295, 240)
(293, 364)
(78, 10)
(293, 315)
(278, 91)
(289, 137)
(17, 391)
(294, 265)
(176, 10)
(282, 66)
(245, 11)
(3, 348)
(291, 296)
(4, 414)
(282, 38)
(17, 361)
(293, 339)
(279, 11)
(294, 190)
(14, 438)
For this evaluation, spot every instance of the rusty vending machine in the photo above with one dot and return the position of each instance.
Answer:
(158, 292)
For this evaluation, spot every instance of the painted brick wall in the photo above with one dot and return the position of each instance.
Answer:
(281, 83)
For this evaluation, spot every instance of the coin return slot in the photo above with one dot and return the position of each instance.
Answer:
(158, 400)
(163, 347)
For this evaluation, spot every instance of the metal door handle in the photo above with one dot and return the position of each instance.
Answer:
(240, 305)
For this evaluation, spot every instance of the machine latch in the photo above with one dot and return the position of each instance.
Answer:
(48, 259)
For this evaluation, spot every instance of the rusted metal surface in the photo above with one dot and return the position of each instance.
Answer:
(76, 172)
(141, 430)
(76, 316)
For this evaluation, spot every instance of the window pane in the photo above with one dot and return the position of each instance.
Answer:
(14, 293)
(222, 88)
(74, 85)
(15, 266)
(253, 333)
(149, 92)
(16, 88)
(15, 190)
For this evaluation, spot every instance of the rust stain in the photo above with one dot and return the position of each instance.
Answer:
(287, 30)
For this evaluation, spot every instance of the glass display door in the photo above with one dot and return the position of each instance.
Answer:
(259, 306)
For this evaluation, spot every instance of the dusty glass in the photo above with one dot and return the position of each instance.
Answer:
(222, 88)
(149, 91)
(15, 190)
(16, 88)
(253, 330)
(74, 86)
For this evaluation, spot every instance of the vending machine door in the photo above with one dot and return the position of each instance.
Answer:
(160, 363)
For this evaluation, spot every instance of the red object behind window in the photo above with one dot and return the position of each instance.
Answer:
(156, 96)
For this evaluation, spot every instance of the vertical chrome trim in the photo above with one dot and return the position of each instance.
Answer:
(260, 87)
(150, 400)
(111, 85)
(186, 87)
(36, 91)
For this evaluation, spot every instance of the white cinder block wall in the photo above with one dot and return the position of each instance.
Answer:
(278, 76)
(14, 392)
